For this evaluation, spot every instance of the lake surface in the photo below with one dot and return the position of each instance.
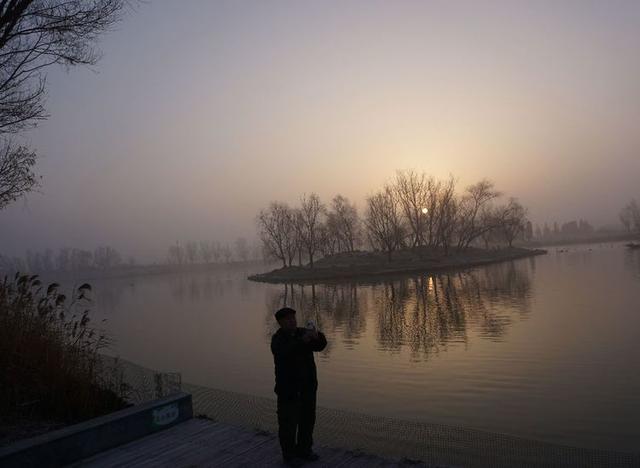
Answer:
(546, 347)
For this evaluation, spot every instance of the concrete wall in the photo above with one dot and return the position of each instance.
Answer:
(83, 440)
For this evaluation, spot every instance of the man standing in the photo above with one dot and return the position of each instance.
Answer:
(296, 385)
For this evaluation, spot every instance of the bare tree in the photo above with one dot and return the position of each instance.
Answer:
(512, 220)
(490, 219)
(277, 232)
(476, 197)
(242, 249)
(298, 233)
(16, 172)
(630, 216)
(343, 224)
(216, 251)
(83, 259)
(176, 255)
(62, 259)
(528, 231)
(191, 251)
(330, 235)
(435, 190)
(226, 253)
(35, 34)
(256, 250)
(635, 215)
(413, 192)
(625, 219)
(311, 212)
(206, 251)
(383, 222)
(447, 210)
(106, 257)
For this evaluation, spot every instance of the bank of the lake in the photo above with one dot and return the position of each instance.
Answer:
(350, 265)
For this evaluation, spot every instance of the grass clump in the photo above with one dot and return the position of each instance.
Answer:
(50, 367)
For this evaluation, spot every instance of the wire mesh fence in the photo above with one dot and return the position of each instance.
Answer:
(434, 444)
(137, 384)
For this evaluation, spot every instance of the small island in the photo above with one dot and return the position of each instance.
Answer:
(349, 265)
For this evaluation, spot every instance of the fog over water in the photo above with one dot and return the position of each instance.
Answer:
(543, 348)
(201, 112)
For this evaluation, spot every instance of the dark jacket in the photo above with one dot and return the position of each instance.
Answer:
(293, 358)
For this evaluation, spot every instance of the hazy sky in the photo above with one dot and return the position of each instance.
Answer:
(201, 112)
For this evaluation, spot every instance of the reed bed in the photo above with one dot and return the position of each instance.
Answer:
(50, 367)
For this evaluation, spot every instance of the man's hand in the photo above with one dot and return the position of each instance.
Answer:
(310, 335)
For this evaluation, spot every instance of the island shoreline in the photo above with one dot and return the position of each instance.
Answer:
(333, 271)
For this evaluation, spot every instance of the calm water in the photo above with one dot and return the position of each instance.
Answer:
(545, 348)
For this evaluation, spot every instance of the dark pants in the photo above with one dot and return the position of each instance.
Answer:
(296, 414)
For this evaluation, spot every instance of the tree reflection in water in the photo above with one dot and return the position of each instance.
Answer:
(424, 313)
(632, 260)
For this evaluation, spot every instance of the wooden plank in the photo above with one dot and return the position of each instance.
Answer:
(218, 449)
(144, 444)
(268, 455)
(153, 444)
(143, 448)
(204, 443)
(186, 445)
(266, 445)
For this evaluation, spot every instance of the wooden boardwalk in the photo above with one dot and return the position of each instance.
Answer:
(205, 443)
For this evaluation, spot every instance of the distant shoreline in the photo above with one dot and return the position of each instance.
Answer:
(370, 264)
(134, 271)
(609, 237)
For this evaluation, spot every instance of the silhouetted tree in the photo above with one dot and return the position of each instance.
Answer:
(16, 172)
(343, 229)
(62, 259)
(490, 219)
(106, 257)
(311, 218)
(513, 220)
(256, 250)
(277, 232)
(84, 259)
(528, 231)
(216, 251)
(206, 251)
(477, 196)
(329, 236)
(298, 227)
(383, 221)
(414, 210)
(176, 255)
(538, 232)
(35, 34)
(447, 209)
(630, 216)
(191, 251)
(226, 253)
(242, 249)
(415, 194)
